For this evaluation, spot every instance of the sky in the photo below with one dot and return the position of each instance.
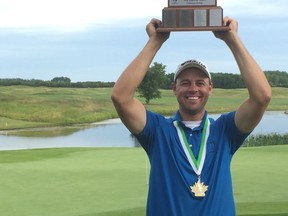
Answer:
(95, 40)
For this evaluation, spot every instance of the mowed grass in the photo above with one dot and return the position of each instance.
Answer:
(72, 181)
(260, 179)
(112, 181)
(26, 107)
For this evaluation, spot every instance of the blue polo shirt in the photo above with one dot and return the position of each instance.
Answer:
(171, 174)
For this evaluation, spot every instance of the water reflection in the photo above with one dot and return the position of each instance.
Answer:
(45, 132)
(106, 135)
(110, 133)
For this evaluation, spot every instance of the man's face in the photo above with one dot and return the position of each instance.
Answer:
(192, 89)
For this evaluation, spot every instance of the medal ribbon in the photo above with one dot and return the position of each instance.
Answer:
(196, 164)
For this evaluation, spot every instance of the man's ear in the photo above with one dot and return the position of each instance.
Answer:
(173, 86)
(210, 88)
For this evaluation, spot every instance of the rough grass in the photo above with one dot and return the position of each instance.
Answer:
(24, 107)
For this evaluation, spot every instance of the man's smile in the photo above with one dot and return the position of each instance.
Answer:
(192, 97)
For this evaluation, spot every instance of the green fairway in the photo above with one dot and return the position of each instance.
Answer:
(112, 181)
(260, 177)
(71, 181)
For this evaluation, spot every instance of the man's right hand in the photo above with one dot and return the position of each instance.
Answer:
(151, 29)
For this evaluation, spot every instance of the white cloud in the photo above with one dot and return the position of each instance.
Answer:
(73, 13)
(80, 14)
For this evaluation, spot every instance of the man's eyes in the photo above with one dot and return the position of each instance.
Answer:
(185, 83)
(197, 83)
(200, 83)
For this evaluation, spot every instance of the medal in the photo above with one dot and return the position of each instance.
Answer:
(198, 188)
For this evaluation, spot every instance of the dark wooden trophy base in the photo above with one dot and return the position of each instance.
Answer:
(170, 29)
(192, 19)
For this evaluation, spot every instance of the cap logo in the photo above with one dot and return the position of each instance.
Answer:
(193, 61)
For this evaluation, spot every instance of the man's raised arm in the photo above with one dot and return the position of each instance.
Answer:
(250, 111)
(130, 110)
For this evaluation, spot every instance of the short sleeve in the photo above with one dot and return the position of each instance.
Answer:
(148, 133)
(235, 136)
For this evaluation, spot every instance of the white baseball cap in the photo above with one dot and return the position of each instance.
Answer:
(192, 63)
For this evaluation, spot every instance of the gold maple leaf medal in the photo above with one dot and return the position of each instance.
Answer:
(199, 188)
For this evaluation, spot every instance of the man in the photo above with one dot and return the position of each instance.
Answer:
(190, 154)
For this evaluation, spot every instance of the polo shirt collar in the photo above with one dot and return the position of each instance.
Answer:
(177, 117)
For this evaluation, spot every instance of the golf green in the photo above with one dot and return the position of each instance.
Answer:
(113, 181)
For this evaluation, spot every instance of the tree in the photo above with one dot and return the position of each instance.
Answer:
(154, 78)
(227, 80)
(277, 78)
(169, 81)
(61, 79)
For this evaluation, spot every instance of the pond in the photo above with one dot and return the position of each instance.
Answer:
(109, 133)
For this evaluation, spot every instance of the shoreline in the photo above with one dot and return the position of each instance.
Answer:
(108, 133)
(89, 125)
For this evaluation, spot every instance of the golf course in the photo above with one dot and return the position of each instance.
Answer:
(114, 181)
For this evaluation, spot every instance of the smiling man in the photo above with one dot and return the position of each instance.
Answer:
(192, 87)
(190, 153)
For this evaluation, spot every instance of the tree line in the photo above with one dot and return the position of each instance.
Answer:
(156, 78)
(232, 81)
(64, 82)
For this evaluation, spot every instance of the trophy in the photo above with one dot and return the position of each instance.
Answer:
(192, 15)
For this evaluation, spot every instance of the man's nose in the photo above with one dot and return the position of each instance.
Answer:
(193, 86)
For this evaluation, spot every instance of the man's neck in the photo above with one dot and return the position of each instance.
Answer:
(191, 116)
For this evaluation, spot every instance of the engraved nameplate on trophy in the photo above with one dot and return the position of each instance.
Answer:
(192, 15)
(172, 3)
